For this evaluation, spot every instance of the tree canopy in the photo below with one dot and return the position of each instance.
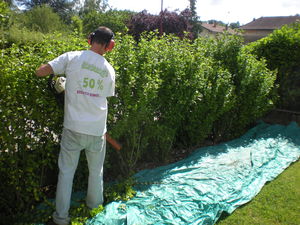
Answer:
(166, 22)
(61, 7)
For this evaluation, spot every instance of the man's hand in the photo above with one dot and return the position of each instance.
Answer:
(113, 142)
(44, 70)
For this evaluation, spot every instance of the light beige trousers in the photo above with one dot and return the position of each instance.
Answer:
(71, 145)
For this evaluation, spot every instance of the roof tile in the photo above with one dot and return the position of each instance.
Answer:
(270, 23)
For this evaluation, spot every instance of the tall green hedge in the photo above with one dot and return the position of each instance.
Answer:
(170, 93)
(30, 125)
(281, 50)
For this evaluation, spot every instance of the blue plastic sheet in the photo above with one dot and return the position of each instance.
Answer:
(213, 179)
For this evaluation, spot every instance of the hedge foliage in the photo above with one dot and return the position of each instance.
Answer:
(170, 93)
(31, 123)
(281, 50)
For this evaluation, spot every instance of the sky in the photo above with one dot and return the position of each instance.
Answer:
(227, 11)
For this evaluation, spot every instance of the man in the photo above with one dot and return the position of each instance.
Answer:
(89, 80)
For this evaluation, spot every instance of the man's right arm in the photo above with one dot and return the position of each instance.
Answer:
(44, 70)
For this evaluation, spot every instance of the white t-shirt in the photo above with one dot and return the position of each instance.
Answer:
(90, 79)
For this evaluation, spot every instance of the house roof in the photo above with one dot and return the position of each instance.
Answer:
(215, 28)
(270, 23)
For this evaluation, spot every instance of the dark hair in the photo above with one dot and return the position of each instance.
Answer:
(102, 35)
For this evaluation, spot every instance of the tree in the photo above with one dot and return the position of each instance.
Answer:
(77, 24)
(4, 21)
(235, 25)
(55, 4)
(114, 19)
(62, 7)
(93, 5)
(216, 22)
(194, 19)
(172, 22)
(4, 15)
(42, 19)
(193, 9)
(9, 2)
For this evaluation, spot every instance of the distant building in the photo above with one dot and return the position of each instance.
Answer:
(263, 26)
(214, 29)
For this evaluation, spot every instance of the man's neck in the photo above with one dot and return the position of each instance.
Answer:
(99, 49)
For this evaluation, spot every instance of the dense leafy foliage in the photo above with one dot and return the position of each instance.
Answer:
(61, 7)
(171, 92)
(115, 20)
(5, 15)
(94, 5)
(281, 52)
(31, 124)
(166, 22)
(40, 18)
(30, 26)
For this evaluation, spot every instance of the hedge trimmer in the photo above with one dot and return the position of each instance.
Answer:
(57, 86)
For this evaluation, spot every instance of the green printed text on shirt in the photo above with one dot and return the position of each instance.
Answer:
(90, 67)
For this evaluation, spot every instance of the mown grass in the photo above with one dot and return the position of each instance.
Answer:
(278, 203)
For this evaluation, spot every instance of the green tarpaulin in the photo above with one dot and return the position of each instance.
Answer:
(210, 181)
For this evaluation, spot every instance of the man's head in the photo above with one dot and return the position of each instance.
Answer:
(102, 36)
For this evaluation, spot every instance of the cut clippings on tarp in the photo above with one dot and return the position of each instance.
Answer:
(210, 181)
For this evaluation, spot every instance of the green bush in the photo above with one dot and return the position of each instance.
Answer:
(170, 93)
(115, 20)
(281, 52)
(31, 124)
(253, 92)
(174, 93)
(42, 19)
(23, 35)
(29, 27)
(77, 24)
(5, 15)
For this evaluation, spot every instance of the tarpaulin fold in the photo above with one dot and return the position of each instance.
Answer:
(212, 180)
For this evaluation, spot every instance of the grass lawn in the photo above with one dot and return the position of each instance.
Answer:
(278, 203)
